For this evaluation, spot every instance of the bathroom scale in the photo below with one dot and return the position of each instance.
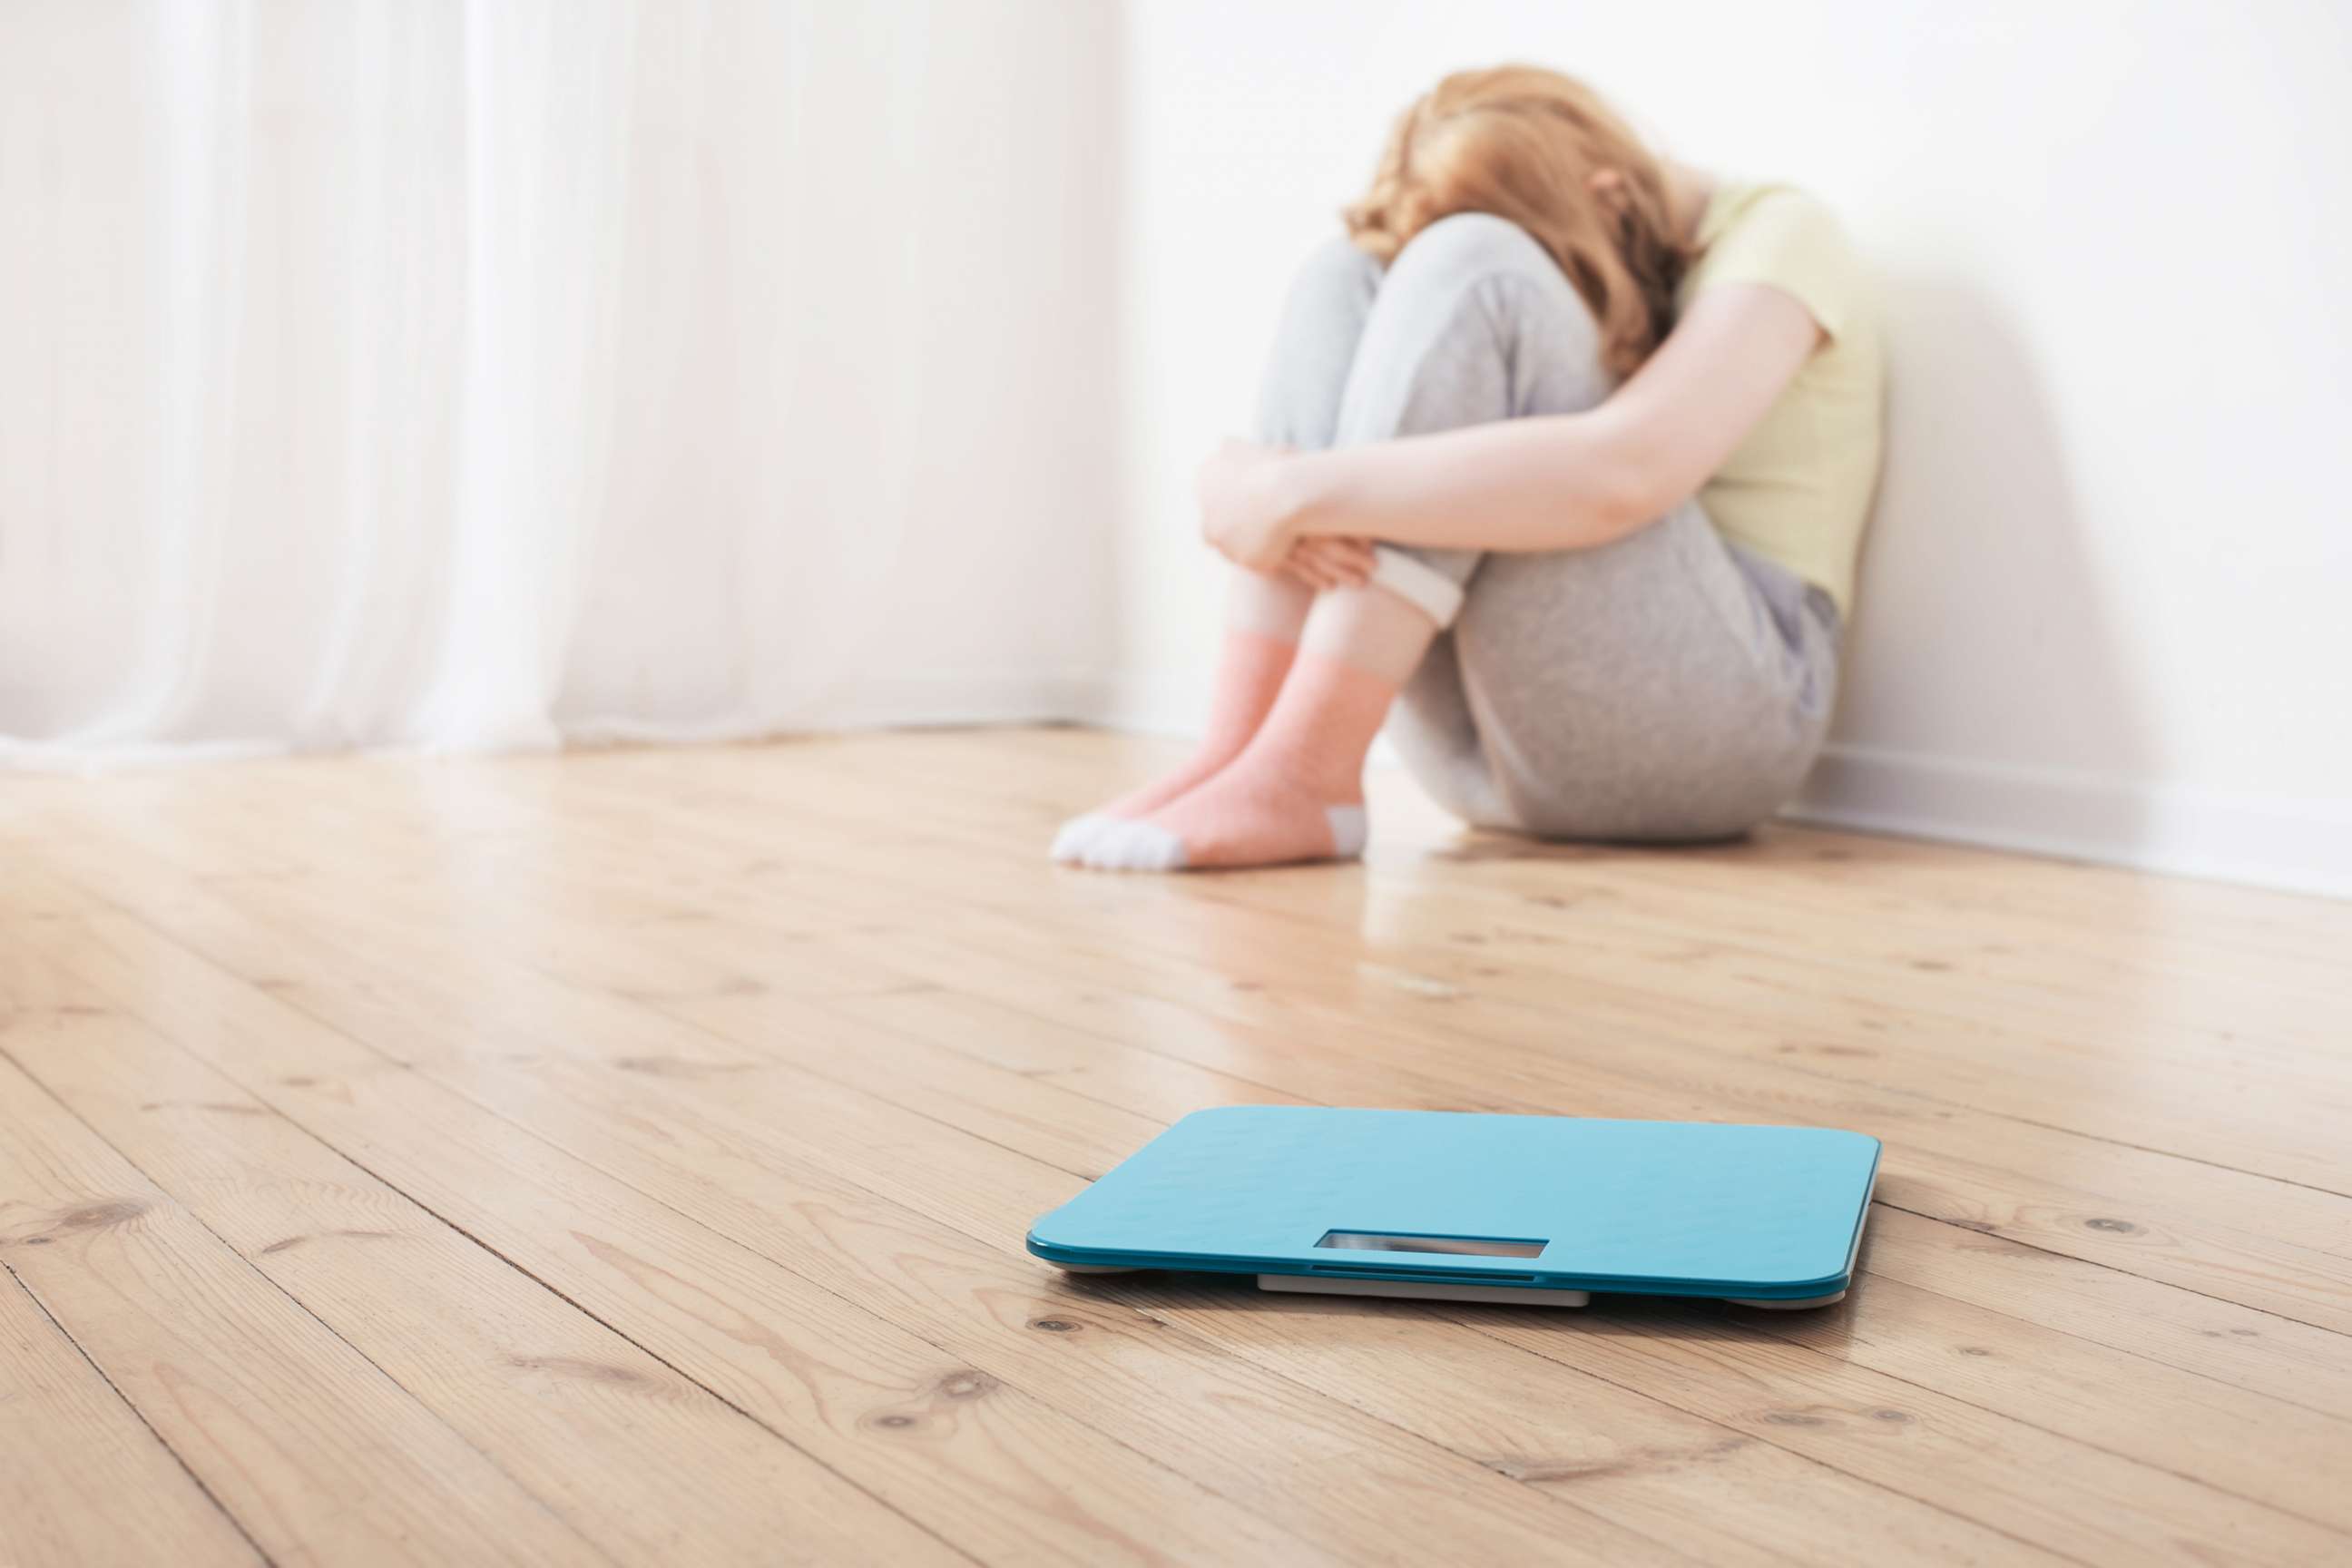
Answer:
(1537, 1210)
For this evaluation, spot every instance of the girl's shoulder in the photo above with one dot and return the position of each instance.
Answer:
(1783, 236)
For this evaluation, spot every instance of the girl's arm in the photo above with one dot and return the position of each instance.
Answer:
(1564, 481)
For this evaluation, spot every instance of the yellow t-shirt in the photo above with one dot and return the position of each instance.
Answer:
(1797, 490)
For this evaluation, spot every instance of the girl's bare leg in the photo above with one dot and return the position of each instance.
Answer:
(1264, 616)
(1296, 791)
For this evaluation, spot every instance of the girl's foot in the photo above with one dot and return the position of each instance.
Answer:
(1247, 815)
(1249, 677)
(1296, 793)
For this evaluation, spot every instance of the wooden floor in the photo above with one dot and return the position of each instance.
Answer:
(625, 1158)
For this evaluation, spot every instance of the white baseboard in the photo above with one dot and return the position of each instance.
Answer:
(1013, 697)
(2294, 844)
(1164, 708)
(981, 697)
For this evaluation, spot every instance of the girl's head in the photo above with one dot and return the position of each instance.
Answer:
(1543, 151)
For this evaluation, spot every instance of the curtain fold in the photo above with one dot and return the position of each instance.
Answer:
(484, 374)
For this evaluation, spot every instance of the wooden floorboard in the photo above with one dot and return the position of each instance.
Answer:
(312, 1447)
(624, 1156)
(82, 1479)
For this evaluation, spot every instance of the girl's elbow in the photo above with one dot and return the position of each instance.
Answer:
(1633, 502)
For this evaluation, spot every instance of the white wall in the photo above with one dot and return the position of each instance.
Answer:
(2107, 606)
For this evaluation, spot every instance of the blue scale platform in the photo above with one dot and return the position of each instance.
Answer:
(1535, 1209)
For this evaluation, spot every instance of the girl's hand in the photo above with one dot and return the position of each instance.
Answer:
(1327, 562)
(1244, 514)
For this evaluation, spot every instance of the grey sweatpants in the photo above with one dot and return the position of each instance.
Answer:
(1667, 686)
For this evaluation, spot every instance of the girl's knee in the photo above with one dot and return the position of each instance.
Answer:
(1518, 292)
(1468, 247)
(1336, 267)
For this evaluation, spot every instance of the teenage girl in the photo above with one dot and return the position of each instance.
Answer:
(1564, 458)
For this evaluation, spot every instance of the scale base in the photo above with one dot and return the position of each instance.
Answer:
(1413, 1290)
(1830, 1299)
(1416, 1290)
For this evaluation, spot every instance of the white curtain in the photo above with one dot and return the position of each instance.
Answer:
(471, 374)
